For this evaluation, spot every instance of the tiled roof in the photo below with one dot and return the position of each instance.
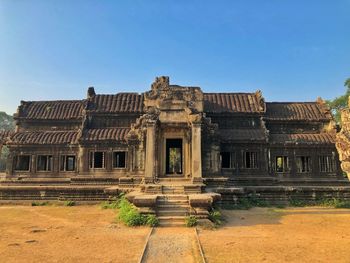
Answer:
(44, 137)
(118, 103)
(4, 135)
(105, 134)
(52, 110)
(242, 135)
(301, 138)
(232, 102)
(296, 111)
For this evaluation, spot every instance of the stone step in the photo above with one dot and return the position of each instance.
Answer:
(171, 220)
(172, 202)
(173, 212)
(174, 180)
(171, 223)
(173, 192)
(173, 197)
(172, 205)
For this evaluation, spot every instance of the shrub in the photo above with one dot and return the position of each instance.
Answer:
(40, 203)
(191, 221)
(152, 220)
(128, 213)
(334, 202)
(216, 217)
(245, 203)
(109, 205)
(69, 203)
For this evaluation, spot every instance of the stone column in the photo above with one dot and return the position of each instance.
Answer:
(196, 167)
(10, 164)
(33, 164)
(109, 160)
(83, 160)
(150, 153)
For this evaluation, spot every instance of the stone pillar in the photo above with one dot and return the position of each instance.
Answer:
(33, 164)
(83, 160)
(109, 160)
(56, 163)
(9, 164)
(150, 153)
(196, 167)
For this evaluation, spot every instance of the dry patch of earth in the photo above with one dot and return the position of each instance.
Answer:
(280, 235)
(172, 245)
(90, 234)
(67, 234)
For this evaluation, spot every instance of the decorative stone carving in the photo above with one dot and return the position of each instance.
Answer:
(343, 140)
(261, 100)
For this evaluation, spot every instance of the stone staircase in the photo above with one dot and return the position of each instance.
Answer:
(172, 200)
(172, 209)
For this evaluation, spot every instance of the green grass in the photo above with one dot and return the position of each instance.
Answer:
(326, 202)
(69, 203)
(215, 216)
(109, 205)
(130, 216)
(191, 221)
(40, 203)
(245, 203)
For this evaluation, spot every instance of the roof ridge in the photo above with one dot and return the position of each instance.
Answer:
(250, 93)
(31, 101)
(291, 102)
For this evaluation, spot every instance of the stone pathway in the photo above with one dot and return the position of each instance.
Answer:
(172, 245)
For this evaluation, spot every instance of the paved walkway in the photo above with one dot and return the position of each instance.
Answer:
(173, 245)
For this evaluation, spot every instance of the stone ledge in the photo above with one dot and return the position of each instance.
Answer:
(205, 200)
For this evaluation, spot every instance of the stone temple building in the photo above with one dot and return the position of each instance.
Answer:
(172, 140)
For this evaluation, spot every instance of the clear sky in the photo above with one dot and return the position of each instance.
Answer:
(292, 50)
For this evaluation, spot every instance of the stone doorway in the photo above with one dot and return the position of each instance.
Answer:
(174, 157)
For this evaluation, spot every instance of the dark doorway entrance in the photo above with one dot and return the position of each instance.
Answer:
(174, 156)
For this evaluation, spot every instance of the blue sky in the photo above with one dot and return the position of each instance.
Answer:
(293, 50)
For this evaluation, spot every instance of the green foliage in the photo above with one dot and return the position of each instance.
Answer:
(245, 203)
(109, 205)
(334, 202)
(326, 202)
(69, 203)
(339, 103)
(40, 203)
(113, 203)
(129, 215)
(6, 122)
(215, 216)
(297, 202)
(191, 221)
(3, 157)
(152, 220)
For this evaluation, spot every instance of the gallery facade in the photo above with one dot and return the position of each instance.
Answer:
(173, 131)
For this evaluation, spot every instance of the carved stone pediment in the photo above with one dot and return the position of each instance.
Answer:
(173, 97)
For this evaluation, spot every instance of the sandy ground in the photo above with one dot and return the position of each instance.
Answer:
(90, 234)
(67, 234)
(280, 235)
(172, 245)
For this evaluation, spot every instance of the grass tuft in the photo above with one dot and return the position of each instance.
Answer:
(40, 203)
(215, 216)
(130, 216)
(191, 221)
(69, 203)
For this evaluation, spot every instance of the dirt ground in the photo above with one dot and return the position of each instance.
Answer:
(280, 235)
(173, 245)
(90, 234)
(67, 234)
